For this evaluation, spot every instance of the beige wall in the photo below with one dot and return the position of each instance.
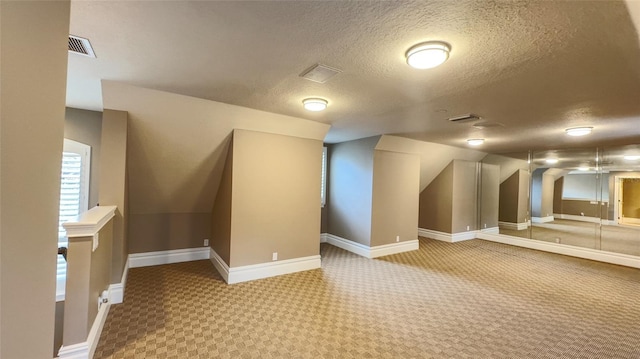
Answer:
(465, 196)
(350, 192)
(86, 127)
(489, 196)
(631, 198)
(88, 274)
(33, 63)
(436, 202)
(547, 195)
(221, 213)
(557, 195)
(167, 231)
(176, 155)
(434, 157)
(275, 197)
(542, 193)
(113, 183)
(509, 198)
(396, 191)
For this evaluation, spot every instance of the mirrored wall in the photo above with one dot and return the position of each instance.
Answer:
(579, 197)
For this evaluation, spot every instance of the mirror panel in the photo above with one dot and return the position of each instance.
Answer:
(621, 227)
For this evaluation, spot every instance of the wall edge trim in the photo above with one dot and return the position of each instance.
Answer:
(168, 257)
(542, 219)
(447, 237)
(219, 264)
(86, 349)
(116, 290)
(584, 253)
(512, 225)
(371, 252)
(272, 269)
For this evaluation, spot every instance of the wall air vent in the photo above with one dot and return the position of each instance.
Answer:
(80, 46)
(464, 118)
(319, 73)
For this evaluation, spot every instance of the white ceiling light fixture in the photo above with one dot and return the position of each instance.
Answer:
(428, 55)
(551, 161)
(475, 141)
(583, 168)
(578, 131)
(314, 104)
(632, 157)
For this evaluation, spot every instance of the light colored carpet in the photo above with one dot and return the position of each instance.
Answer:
(472, 299)
(618, 239)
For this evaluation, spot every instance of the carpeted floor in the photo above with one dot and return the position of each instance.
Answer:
(473, 299)
(619, 239)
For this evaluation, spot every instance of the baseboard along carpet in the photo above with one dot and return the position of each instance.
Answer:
(472, 299)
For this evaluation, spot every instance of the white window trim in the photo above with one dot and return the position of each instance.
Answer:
(84, 151)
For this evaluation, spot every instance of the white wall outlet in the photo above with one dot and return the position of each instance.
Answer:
(397, 238)
(206, 242)
(557, 239)
(468, 228)
(485, 225)
(274, 257)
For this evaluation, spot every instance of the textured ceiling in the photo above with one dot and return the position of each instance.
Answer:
(536, 67)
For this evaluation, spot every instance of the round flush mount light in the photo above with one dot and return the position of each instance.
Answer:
(551, 161)
(632, 157)
(583, 168)
(314, 104)
(427, 55)
(578, 131)
(475, 141)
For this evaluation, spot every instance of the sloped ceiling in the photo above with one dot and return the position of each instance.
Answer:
(537, 67)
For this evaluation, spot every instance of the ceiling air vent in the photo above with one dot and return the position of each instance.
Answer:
(464, 118)
(80, 46)
(319, 73)
(487, 124)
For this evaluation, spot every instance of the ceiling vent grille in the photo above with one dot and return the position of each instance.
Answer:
(80, 46)
(319, 73)
(486, 124)
(464, 118)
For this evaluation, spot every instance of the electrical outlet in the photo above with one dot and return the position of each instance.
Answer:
(467, 228)
(397, 238)
(206, 242)
(557, 239)
(485, 225)
(274, 257)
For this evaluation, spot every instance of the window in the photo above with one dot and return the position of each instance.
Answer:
(74, 198)
(323, 182)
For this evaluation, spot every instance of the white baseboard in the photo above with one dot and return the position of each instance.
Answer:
(372, 252)
(233, 275)
(630, 220)
(394, 248)
(85, 350)
(572, 217)
(351, 246)
(447, 237)
(116, 290)
(492, 230)
(324, 237)
(272, 269)
(513, 226)
(167, 257)
(219, 264)
(542, 219)
(586, 253)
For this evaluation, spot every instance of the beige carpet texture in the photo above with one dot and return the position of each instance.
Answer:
(472, 299)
